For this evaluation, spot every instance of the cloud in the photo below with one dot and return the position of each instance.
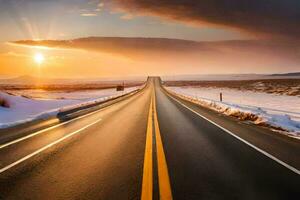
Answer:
(276, 18)
(14, 54)
(184, 56)
(128, 45)
(127, 17)
(88, 15)
(100, 5)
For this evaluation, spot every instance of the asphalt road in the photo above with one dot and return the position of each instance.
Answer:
(151, 146)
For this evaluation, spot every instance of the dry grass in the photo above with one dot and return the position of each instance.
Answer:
(4, 103)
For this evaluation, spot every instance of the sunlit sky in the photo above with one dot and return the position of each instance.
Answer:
(71, 19)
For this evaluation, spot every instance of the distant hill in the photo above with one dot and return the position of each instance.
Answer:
(32, 80)
(287, 74)
(228, 77)
(23, 80)
(213, 77)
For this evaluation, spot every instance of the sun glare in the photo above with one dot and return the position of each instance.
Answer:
(39, 58)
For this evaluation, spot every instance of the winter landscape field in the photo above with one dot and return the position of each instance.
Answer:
(22, 102)
(271, 102)
(274, 103)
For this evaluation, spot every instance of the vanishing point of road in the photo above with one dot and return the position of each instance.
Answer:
(151, 145)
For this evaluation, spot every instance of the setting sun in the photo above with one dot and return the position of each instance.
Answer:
(39, 58)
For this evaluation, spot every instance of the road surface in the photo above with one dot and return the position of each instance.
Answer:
(151, 146)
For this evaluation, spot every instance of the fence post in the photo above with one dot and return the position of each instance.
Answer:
(221, 96)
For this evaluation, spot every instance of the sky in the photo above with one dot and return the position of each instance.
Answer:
(148, 37)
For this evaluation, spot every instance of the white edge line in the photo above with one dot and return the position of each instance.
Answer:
(47, 129)
(241, 139)
(44, 130)
(45, 147)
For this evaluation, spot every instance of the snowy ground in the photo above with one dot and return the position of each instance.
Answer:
(277, 111)
(40, 104)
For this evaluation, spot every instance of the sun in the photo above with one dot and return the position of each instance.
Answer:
(39, 58)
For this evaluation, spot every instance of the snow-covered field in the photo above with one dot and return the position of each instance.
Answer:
(42, 105)
(277, 111)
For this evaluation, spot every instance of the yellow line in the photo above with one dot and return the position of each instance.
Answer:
(163, 175)
(147, 185)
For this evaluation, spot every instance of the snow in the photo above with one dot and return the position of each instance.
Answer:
(279, 112)
(23, 109)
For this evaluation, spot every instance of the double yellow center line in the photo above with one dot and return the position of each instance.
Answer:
(163, 175)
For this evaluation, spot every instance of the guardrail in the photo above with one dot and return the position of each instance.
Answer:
(83, 106)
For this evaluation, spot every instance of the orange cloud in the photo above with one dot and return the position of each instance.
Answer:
(88, 14)
(163, 56)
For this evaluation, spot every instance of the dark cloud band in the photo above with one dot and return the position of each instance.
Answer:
(145, 47)
(270, 17)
